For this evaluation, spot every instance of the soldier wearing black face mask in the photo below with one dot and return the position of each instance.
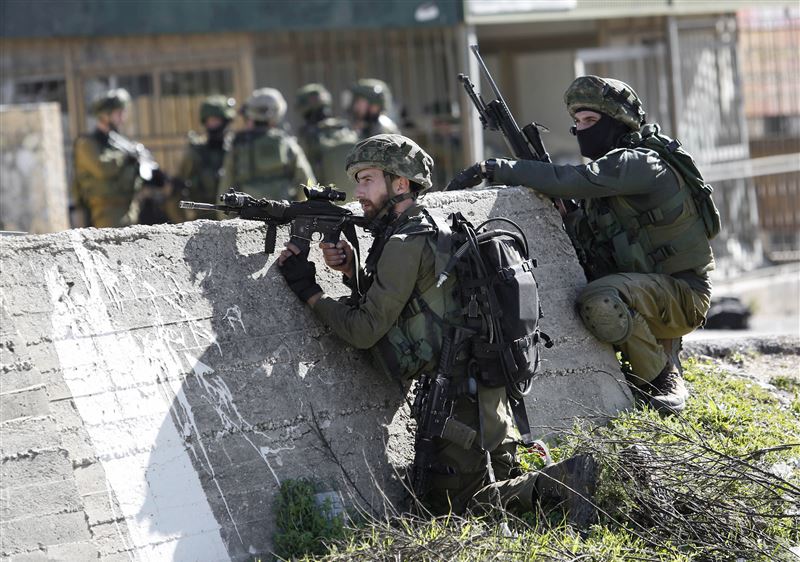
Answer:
(199, 171)
(603, 135)
(640, 227)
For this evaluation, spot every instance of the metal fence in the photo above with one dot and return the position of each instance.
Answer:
(769, 41)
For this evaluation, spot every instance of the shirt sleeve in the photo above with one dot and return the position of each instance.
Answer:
(397, 271)
(620, 172)
(90, 164)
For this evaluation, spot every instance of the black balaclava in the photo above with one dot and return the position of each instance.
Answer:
(601, 137)
(216, 136)
(316, 115)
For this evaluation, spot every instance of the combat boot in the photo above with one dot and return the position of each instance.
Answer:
(667, 393)
(569, 484)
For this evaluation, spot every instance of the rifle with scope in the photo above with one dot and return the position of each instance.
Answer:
(314, 219)
(525, 143)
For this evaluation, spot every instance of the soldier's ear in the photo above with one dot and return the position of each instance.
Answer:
(406, 185)
(403, 185)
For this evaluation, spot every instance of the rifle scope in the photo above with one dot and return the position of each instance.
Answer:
(326, 193)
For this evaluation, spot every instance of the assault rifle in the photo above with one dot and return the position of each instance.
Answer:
(433, 410)
(149, 170)
(525, 143)
(153, 194)
(317, 216)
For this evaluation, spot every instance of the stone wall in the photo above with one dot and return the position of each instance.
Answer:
(33, 185)
(158, 383)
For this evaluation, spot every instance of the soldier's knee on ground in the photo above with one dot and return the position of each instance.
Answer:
(605, 314)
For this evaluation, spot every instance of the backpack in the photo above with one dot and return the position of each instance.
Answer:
(485, 304)
(671, 151)
(500, 308)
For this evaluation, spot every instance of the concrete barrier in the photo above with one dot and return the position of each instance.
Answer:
(33, 184)
(158, 383)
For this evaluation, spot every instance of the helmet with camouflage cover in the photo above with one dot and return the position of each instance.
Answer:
(109, 101)
(217, 106)
(605, 95)
(312, 97)
(373, 90)
(265, 104)
(394, 154)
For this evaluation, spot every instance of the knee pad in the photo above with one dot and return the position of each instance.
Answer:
(606, 315)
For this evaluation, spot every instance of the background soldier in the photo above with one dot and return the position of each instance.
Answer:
(393, 314)
(264, 160)
(325, 139)
(106, 167)
(200, 168)
(371, 99)
(639, 226)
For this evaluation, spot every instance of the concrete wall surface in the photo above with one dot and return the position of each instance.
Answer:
(158, 383)
(33, 184)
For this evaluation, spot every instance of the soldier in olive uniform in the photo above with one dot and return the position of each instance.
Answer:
(639, 228)
(201, 166)
(370, 100)
(325, 139)
(106, 171)
(392, 314)
(264, 160)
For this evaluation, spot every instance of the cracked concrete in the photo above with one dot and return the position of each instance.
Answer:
(158, 383)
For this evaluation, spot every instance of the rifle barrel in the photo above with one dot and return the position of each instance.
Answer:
(198, 206)
(488, 74)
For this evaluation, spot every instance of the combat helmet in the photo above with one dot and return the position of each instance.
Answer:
(373, 90)
(312, 97)
(265, 104)
(118, 98)
(394, 154)
(217, 106)
(606, 95)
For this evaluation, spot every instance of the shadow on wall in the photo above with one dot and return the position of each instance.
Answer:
(265, 393)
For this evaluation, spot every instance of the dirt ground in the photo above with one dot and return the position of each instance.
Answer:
(761, 359)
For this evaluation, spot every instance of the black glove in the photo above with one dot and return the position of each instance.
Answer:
(473, 175)
(469, 177)
(301, 276)
(159, 178)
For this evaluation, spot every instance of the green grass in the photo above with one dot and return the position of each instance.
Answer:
(695, 487)
(785, 383)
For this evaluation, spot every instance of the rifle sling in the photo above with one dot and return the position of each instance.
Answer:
(349, 231)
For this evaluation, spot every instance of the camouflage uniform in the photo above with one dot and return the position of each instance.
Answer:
(200, 168)
(378, 93)
(265, 161)
(106, 177)
(638, 226)
(326, 140)
(399, 272)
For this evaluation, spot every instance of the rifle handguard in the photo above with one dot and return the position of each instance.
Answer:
(270, 239)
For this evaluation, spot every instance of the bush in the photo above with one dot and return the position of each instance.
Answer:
(303, 526)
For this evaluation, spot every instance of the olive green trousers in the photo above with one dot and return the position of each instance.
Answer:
(661, 307)
(469, 487)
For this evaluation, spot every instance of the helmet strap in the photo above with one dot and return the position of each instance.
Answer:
(386, 215)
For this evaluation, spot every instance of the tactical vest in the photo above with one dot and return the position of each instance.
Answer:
(412, 344)
(336, 140)
(207, 163)
(263, 164)
(667, 238)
